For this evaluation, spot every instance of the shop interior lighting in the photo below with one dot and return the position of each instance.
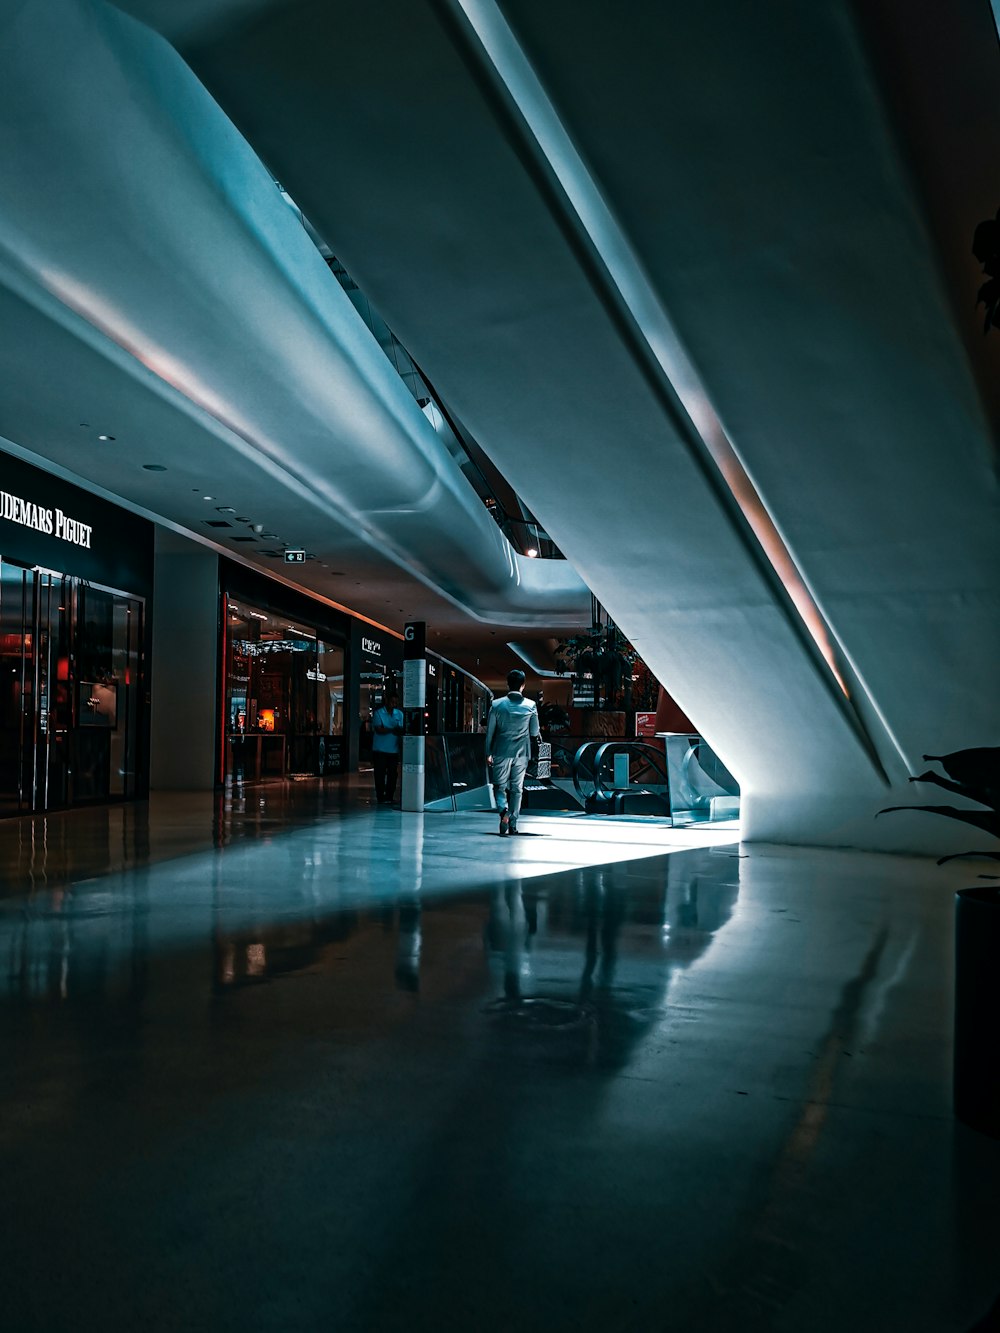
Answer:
(105, 437)
(532, 551)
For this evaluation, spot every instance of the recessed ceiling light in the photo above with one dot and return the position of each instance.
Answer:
(224, 509)
(242, 518)
(105, 437)
(153, 467)
(85, 425)
(271, 536)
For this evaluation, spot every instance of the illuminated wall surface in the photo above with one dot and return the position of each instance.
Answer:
(692, 285)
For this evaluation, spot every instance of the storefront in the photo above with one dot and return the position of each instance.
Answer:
(300, 683)
(456, 701)
(75, 599)
(284, 670)
(380, 666)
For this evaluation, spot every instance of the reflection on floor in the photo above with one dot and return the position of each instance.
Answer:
(298, 1062)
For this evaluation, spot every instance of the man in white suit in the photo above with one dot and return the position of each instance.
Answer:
(512, 726)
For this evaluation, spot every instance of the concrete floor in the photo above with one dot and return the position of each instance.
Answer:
(295, 1062)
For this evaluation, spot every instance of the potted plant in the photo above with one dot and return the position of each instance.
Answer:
(975, 774)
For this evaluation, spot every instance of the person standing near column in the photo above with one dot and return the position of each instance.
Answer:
(512, 726)
(387, 742)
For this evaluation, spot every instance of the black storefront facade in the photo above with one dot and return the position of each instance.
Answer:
(296, 683)
(379, 672)
(76, 581)
(298, 680)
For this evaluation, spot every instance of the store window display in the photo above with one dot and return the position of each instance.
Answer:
(284, 696)
(70, 690)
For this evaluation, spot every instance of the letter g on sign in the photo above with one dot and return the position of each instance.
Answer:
(409, 633)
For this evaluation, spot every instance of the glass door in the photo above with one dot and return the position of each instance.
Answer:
(284, 695)
(70, 668)
(107, 683)
(16, 684)
(50, 664)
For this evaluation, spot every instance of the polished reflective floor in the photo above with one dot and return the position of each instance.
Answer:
(291, 1061)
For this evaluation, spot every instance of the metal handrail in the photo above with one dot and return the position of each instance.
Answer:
(577, 765)
(654, 756)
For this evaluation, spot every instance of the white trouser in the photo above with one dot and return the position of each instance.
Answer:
(508, 776)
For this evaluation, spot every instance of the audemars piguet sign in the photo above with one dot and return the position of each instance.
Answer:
(47, 521)
(53, 522)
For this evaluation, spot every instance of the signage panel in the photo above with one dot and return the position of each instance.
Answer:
(295, 557)
(414, 684)
(47, 521)
(645, 724)
(414, 639)
(52, 521)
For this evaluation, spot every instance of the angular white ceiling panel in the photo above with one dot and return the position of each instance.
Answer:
(137, 220)
(753, 173)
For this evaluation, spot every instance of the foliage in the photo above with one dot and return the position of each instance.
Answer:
(975, 774)
(621, 678)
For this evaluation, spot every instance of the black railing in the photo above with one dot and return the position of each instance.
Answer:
(524, 535)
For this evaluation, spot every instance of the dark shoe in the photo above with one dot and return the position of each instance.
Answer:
(513, 825)
(504, 826)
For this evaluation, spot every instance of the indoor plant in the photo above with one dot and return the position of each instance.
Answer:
(975, 774)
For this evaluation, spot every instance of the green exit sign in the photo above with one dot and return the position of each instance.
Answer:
(295, 557)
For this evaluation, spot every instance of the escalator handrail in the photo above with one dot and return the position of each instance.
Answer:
(577, 765)
(630, 746)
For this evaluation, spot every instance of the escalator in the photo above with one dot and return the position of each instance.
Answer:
(685, 781)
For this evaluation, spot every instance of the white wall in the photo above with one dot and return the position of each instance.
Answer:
(184, 678)
(755, 175)
(198, 289)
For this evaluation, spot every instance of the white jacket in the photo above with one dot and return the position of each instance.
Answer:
(513, 721)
